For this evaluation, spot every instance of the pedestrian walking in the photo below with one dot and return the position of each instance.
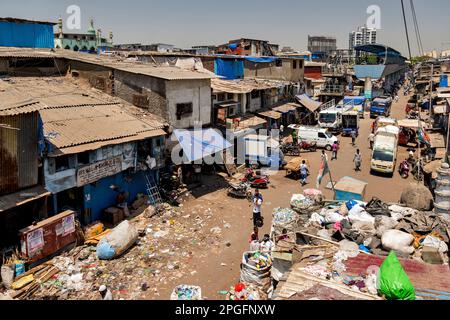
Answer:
(335, 149)
(304, 171)
(324, 156)
(353, 138)
(257, 204)
(357, 160)
(371, 140)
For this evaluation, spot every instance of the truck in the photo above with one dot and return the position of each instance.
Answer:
(380, 106)
(264, 151)
(384, 153)
(331, 115)
(320, 136)
(331, 118)
(358, 103)
(350, 123)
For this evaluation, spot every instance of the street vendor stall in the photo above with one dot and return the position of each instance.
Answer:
(349, 188)
(408, 131)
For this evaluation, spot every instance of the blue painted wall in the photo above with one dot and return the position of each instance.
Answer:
(100, 196)
(26, 35)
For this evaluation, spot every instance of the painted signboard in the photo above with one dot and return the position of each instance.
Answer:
(99, 170)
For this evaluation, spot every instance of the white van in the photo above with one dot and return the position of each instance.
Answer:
(322, 137)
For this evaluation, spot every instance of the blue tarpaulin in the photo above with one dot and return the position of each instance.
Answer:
(199, 144)
(260, 59)
(356, 100)
(26, 35)
(229, 68)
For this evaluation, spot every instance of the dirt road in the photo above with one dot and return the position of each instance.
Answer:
(217, 267)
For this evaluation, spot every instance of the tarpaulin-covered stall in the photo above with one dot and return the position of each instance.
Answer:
(199, 144)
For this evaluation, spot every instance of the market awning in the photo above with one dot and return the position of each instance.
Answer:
(199, 144)
(411, 123)
(270, 114)
(22, 197)
(286, 108)
(308, 103)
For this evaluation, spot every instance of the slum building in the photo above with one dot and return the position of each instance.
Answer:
(96, 147)
(180, 96)
(23, 199)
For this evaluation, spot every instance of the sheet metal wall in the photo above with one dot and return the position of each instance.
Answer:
(26, 35)
(19, 152)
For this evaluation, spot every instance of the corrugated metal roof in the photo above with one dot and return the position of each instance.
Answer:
(100, 144)
(285, 108)
(245, 86)
(8, 19)
(270, 114)
(19, 198)
(113, 62)
(250, 122)
(73, 126)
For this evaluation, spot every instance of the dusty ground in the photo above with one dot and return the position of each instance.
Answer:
(192, 253)
(218, 265)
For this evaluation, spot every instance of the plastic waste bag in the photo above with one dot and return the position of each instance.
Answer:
(398, 240)
(394, 283)
(117, 242)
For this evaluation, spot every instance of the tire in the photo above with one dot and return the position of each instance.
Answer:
(328, 147)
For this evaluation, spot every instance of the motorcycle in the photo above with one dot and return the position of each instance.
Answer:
(256, 181)
(241, 190)
(404, 169)
(311, 147)
(290, 150)
(413, 115)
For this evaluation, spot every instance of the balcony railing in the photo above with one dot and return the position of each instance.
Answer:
(330, 89)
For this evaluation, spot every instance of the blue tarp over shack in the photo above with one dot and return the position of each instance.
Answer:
(261, 59)
(357, 100)
(231, 69)
(199, 144)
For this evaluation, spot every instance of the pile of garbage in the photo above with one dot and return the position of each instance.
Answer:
(336, 232)
(156, 247)
(186, 293)
(284, 219)
(308, 202)
(255, 269)
(244, 292)
(378, 228)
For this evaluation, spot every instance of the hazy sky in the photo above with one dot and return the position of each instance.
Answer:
(286, 22)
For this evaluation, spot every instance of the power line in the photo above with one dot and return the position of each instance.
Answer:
(406, 28)
(416, 26)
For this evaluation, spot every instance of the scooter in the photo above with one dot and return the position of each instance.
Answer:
(255, 181)
(404, 169)
(241, 190)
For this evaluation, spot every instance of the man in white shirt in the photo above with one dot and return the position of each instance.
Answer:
(267, 245)
(257, 204)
